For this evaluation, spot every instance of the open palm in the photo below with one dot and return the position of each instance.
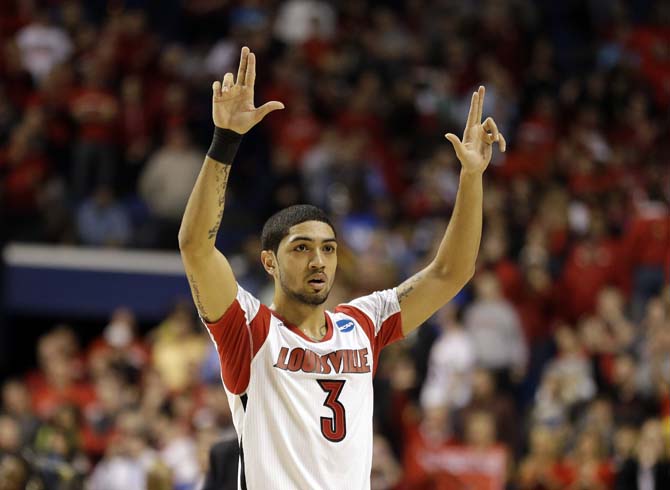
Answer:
(233, 100)
(474, 152)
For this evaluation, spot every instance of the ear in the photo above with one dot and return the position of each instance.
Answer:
(269, 262)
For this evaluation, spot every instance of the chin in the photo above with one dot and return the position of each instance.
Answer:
(317, 300)
(307, 298)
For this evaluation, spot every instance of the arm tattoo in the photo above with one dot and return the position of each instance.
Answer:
(408, 286)
(196, 296)
(221, 177)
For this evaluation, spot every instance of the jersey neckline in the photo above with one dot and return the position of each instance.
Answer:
(300, 333)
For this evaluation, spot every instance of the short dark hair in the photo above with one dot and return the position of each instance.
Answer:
(278, 225)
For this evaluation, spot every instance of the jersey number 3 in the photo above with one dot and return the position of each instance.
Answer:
(333, 428)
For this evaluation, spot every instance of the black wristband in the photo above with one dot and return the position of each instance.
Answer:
(224, 145)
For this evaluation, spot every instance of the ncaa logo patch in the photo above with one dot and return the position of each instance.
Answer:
(345, 325)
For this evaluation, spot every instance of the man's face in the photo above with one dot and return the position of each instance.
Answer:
(306, 262)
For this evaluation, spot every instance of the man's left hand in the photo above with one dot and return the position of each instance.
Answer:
(474, 152)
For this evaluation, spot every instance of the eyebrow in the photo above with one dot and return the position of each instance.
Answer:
(309, 239)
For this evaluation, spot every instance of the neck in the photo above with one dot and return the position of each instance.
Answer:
(308, 318)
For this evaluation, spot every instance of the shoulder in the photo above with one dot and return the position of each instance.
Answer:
(377, 306)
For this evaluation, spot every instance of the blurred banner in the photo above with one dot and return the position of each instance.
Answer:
(90, 282)
(465, 468)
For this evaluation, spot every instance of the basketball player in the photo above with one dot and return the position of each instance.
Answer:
(298, 377)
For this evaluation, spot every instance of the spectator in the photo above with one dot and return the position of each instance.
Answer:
(450, 365)
(630, 405)
(17, 403)
(177, 349)
(647, 243)
(298, 20)
(567, 380)
(542, 467)
(10, 435)
(424, 443)
(386, 472)
(589, 465)
(127, 460)
(178, 450)
(95, 109)
(16, 474)
(119, 346)
(24, 166)
(495, 330)
(42, 46)
(102, 221)
(220, 465)
(486, 397)
(167, 180)
(649, 469)
(590, 267)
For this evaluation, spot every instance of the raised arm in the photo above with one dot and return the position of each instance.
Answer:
(454, 264)
(211, 279)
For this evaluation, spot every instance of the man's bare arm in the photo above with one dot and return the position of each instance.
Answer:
(210, 277)
(454, 264)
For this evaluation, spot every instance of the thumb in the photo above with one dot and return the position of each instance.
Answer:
(456, 143)
(268, 107)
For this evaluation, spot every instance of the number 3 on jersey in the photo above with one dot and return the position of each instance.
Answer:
(333, 428)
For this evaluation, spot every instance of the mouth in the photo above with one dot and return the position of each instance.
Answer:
(317, 282)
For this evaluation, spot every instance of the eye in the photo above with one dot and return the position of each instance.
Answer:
(301, 248)
(328, 248)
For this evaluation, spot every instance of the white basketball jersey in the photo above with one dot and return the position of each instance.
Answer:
(303, 409)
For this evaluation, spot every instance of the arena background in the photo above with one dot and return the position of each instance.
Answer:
(550, 370)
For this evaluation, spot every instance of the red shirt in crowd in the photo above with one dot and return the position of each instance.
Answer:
(590, 266)
(647, 241)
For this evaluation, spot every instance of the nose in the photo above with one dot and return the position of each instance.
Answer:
(317, 261)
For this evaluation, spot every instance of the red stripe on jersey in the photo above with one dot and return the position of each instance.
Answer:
(237, 342)
(390, 330)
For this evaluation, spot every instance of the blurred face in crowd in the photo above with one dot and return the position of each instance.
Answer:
(483, 384)
(600, 415)
(15, 398)
(650, 443)
(610, 302)
(305, 262)
(13, 474)
(567, 340)
(543, 442)
(120, 330)
(588, 446)
(487, 287)
(480, 430)
(436, 424)
(624, 370)
(10, 437)
(625, 439)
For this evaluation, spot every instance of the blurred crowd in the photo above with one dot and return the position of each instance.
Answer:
(555, 360)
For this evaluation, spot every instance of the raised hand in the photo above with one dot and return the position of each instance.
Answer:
(233, 100)
(474, 152)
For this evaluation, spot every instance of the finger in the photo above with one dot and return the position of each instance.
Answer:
(227, 82)
(268, 107)
(480, 110)
(502, 144)
(456, 143)
(474, 107)
(242, 69)
(490, 126)
(216, 89)
(251, 70)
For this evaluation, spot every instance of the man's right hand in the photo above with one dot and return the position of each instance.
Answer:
(233, 101)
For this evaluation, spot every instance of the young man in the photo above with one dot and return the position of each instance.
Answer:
(299, 378)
